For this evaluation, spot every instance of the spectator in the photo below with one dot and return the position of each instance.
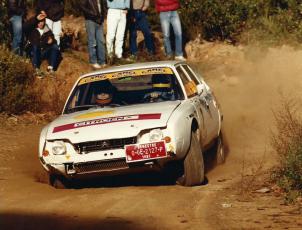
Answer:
(169, 16)
(138, 21)
(43, 43)
(16, 13)
(116, 25)
(94, 13)
(54, 10)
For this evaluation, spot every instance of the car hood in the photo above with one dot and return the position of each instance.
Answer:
(110, 123)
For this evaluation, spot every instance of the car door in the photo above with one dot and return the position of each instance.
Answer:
(209, 107)
(193, 98)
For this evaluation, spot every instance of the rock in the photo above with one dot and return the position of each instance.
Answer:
(263, 190)
(226, 205)
(13, 119)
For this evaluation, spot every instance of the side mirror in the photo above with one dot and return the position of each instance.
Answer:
(200, 89)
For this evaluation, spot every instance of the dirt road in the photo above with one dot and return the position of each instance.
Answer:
(247, 85)
(145, 202)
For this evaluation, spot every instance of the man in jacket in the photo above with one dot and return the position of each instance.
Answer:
(138, 21)
(54, 10)
(16, 13)
(44, 45)
(116, 26)
(94, 13)
(169, 16)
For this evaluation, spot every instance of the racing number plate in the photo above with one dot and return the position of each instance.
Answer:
(141, 152)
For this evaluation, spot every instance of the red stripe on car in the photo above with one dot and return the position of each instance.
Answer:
(107, 120)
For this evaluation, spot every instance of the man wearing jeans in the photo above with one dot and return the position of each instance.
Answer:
(116, 26)
(169, 16)
(138, 21)
(16, 12)
(94, 12)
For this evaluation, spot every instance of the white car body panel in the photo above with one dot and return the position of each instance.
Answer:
(113, 129)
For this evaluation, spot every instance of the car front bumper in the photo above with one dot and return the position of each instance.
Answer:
(105, 167)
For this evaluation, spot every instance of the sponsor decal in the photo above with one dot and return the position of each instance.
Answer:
(126, 73)
(94, 114)
(107, 120)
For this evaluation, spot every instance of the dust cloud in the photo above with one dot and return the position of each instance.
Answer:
(249, 83)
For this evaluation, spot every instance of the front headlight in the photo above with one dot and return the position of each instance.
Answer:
(58, 148)
(155, 135)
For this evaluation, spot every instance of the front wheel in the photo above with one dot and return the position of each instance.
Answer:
(58, 182)
(220, 150)
(193, 172)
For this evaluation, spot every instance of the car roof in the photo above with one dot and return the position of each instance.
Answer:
(133, 66)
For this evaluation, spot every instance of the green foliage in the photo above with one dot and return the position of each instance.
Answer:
(16, 80)
(287, 143)
(214, 19)
(227, 19)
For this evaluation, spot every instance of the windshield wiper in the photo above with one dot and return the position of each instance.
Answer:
(80, 108)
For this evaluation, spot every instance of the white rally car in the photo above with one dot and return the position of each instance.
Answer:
(133, 118)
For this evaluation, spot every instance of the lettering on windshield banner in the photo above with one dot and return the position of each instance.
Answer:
(101, 121)
(126, 73)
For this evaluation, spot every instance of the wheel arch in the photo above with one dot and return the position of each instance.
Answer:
(194, 128)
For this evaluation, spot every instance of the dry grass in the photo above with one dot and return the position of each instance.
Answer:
(251, 177)
(287, 143)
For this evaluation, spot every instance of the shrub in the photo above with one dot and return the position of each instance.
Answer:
(16, 80)
(227, 19)
(214, 19)
(287, 143)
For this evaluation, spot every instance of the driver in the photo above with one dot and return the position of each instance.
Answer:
(161, 89)
(105, 93)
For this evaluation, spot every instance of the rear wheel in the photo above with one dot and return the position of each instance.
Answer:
(193, 172)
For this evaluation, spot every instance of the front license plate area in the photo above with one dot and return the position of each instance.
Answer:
(142, 152)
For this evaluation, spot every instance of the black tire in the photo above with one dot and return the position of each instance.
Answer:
(193, 172)
(220, 150)
(58, 182)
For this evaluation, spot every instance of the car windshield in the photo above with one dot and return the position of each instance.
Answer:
(125, 88)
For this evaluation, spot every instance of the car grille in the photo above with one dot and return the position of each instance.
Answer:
(93, 146)
(100, 166)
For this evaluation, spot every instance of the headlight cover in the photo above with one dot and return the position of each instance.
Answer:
(155, 135)
(58, 148)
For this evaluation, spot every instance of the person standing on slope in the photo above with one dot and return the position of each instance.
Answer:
(138, 21)
(116, 26)
(94, 13)
(169, 16)
(16, 14)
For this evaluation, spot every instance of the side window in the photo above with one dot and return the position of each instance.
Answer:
(75, 100)
(191, 74)
(190, 86)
